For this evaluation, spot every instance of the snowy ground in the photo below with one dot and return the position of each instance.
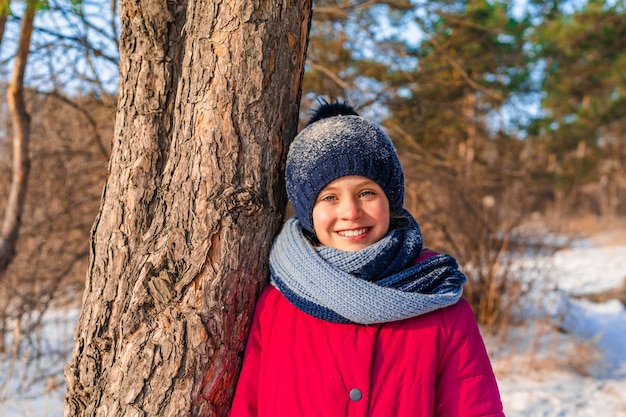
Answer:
(570, 361)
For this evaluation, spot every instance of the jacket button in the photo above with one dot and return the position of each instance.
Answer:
(355, 394)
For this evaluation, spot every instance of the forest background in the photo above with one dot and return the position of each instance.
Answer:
(509, 118)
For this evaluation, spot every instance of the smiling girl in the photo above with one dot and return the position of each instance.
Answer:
(360, 319)
(351, 213)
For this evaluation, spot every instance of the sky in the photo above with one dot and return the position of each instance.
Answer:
(58, 47)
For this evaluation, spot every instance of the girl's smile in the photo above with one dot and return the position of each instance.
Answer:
(351, 213)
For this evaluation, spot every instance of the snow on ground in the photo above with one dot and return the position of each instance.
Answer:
(585, 269)
(571, 360)
(568, 361)
(579, 371)
(560, 394)
(44, 396)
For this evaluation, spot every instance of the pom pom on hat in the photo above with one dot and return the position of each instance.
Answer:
(337, 142)
(332, 109)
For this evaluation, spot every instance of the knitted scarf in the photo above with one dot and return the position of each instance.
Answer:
(378, 284)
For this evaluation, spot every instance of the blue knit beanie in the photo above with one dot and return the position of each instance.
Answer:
(336, 143)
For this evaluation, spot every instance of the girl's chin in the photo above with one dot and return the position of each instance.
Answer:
(351, 244)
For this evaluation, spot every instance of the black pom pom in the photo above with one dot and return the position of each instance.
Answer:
(332, 109)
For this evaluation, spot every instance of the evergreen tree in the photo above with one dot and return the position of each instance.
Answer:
(584, 87)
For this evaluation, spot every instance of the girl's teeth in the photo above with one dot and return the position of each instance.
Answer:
(352, 233)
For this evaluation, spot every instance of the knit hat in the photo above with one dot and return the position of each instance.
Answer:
(338, 142)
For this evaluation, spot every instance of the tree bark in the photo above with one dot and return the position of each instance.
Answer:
(209, 95)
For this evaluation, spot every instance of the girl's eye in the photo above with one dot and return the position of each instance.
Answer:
(366, 193)
(328, 198)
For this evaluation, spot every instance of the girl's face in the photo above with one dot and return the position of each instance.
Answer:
(351, 213)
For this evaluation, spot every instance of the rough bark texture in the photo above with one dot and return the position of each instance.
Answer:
(209, 95)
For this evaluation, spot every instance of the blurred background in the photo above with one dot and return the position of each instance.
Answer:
(509, 118)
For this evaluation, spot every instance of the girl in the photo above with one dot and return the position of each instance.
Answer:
(360, 319)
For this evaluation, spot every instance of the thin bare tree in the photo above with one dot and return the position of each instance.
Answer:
(20, 121)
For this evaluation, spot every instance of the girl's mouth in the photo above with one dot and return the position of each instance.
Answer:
(353, 233)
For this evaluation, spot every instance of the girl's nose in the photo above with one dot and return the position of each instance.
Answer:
(350, 209)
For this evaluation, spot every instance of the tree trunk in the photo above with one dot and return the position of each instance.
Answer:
(209, 94)
(20, 121)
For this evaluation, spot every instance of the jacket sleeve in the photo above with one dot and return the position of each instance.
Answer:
(466, 385)
(245, 403)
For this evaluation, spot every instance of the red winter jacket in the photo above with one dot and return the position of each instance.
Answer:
(296, 365)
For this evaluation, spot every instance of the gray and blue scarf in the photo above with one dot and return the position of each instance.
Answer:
(378, 284)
